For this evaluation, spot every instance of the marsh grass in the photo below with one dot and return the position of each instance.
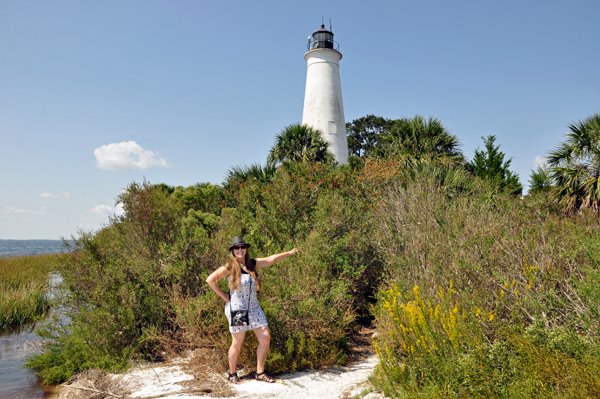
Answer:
(24, 287)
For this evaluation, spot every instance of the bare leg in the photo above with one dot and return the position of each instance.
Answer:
(263, 334)
(237, 339)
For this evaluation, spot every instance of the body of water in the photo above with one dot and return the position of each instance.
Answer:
(30, 247)
(19, 343)
(16, 382)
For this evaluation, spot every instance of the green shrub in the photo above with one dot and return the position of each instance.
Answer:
(119, 279)
(423, 338)
(310, 300)
(138, 285)
(204, 197)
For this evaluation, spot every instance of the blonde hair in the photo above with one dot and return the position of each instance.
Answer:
(235, 271)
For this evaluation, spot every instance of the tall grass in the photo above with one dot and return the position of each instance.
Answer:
(521, 318)
(490, 245)
(24, 287)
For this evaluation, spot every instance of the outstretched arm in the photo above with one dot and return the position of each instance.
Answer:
(212, 280)
(268, 261)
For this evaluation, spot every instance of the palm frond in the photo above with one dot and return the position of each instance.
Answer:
(253, 172)
(575, 165)
(418, 138)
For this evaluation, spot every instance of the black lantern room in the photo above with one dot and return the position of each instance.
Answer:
(322, 38)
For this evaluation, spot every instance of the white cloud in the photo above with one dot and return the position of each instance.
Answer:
(126, 156)
(105, 210)
(539, 161)
(48, 195)
(18, 211)
(101, 210)
(119, 211)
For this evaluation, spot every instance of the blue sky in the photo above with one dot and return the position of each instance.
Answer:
(192, 88)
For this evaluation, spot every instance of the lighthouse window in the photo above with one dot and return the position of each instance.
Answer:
(323, 39)
(332, 127)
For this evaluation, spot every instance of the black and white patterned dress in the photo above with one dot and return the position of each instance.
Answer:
(239, 301)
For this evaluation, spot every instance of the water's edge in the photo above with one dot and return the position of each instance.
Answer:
(17, 382)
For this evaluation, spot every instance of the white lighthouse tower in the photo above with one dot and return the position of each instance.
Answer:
(323, 105)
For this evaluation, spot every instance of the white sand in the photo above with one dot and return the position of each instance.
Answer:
(331, 383)
(157, 380)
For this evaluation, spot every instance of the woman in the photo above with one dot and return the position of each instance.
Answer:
(241, 272)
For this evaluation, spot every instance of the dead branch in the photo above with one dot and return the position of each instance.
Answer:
(112, 395)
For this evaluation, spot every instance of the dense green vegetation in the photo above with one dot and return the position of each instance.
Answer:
(138, 285)
(490, 165)
(417, 140)
(474, 290)
(23, 288)
(488, 296)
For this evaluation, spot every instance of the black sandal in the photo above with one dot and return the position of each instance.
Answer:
(234, 379)
(264, 377)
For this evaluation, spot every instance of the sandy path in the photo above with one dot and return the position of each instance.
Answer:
(175, 379)
(333, 383)
(338, 382)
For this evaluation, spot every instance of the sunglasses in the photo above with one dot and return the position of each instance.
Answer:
(240, 247)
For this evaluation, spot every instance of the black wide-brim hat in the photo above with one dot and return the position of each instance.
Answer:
(238, 241)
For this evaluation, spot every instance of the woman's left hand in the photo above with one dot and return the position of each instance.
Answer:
(295, 251)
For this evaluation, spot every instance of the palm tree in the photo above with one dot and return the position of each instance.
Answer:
(575, 165)
(254, 172)
(421, 140)
(300, 143)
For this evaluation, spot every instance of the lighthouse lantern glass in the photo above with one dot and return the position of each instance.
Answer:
(323, 39)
